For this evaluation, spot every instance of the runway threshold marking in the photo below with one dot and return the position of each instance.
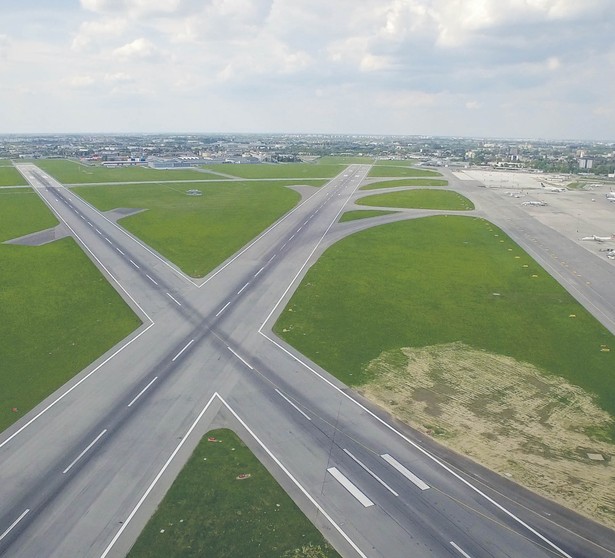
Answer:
(180, 352)
(348, 485)
(151, 279)
(241, 359)
(142, 392)
(84, 451)
(462, 552)
(174, 299)
(223, 308)
(369, 471)
(291, 403)
(405, 472)
(14, 524)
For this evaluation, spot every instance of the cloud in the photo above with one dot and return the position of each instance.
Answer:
(139, 49)
(98, 31)
(81, 82)
(5, 44)
(133, 8)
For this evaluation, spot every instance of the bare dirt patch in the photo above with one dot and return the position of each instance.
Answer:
(506, 415)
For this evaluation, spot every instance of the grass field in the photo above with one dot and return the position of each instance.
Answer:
(344, 160)
(396, 162)
(209, 512)
(10, 176)
(196, 233)
(47, 337)
(71, 172)
(363, 214)
(419, 199)
(386, 171)
(403, 182)
(439, 280)
(304, 171)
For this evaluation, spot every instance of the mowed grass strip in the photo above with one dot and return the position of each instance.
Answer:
(10, 176)
(197, 233)
(410, 182)
(72, 172)
(385, 171)
(210, 512)
(439, 280)
(363, 214)
(344, 160)
(420, 199)
(396, 162)
(303, 171)
(58, 312)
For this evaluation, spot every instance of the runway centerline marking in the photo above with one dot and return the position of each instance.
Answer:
(241, 359)
(369, 471)
(180, 352)
(258, 272)
(142, 392)
(223, 308)
(120, 251)
(84, 451)
(174, 299)
(14, 524)
(350, 487)
(405, 472)
(151, 279)
(108, 240)
(135, 264)
(462, 552)
(291, 403)
(243, 288)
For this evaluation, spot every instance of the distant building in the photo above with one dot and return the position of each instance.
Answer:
(586, 163)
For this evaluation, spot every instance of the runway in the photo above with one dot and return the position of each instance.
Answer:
(82, 472)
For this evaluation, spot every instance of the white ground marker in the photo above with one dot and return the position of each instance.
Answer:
(405, 472)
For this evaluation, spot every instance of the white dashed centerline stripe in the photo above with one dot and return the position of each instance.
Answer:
(258, 272)
(291, 403)
(135, 264)
(12, 526)
(223, 308)
(84, 451)
(120, 251)
(108, 240)
(241, 359)
(368, 470)
(180, 352)
(151, 279)
(339, 477)
(464, 554)
(174, 299)
(243, 288)
(405, 472)
(142, 391)
(97, 231)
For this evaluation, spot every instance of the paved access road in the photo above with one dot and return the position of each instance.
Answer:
(82, 473)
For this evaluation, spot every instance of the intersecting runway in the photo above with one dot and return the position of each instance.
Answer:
(84, 470)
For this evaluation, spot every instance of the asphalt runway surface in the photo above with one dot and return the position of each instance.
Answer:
(82, 473)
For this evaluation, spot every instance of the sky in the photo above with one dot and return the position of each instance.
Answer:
(486, 68)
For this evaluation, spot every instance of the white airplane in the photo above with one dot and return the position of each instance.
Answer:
(599, 238)
(539, 203)
(610, 196)
(552, 188)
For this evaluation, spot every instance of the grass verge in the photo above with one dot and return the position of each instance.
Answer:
(282, 170)
(439, 280)
(196, 233)
(10, 176)
(411, 182)
(401, 171)
(47, 337)
(344, 160)
(420, 199)
(363, 214)
(209, 511)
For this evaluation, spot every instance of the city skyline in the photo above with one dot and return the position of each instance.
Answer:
(471, 68)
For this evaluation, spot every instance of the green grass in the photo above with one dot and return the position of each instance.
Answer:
(432, 280)
(46, 336)
(401, 171)
(196, 233)
(396, 162)
(10, 176)
(404, 182)
(71, 172)
(363, 214)
(208, 512)
(419, 199)
(344, 160)
(303, 171)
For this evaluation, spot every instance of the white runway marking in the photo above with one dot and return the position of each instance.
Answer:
(133, 263)
(223, 308)
(241, 359)
(108, 240)
(464, 554)
(97, 231)
(84, 451)
(339, 477)
(243, 288)
(151, 279)
(291, 403)
(365, 468)
(405, 472)
(258, 272)
(180, 352)
(120, 251)
(174, 299)
(142, 391)
(12, 526)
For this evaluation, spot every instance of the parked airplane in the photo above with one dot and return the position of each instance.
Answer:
(610, 196)
(540, 203)
(552, 188)
(599, 238)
